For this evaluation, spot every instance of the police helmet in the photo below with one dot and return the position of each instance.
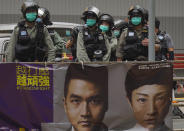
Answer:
(91, 10)
(146, 15)
(120, 24)
(108, 18)
(136, 10)
(45, 15)
(29, 5)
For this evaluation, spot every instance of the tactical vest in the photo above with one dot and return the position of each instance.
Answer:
(28, 50)
(162, 54)
(133, 47)
(94, 44)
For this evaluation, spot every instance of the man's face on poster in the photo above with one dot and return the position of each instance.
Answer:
(84, 104)
(150, 104)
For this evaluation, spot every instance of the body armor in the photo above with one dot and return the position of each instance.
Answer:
(27, 49)
(95, 45)
(132, 49)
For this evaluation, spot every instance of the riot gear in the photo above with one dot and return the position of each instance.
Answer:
(27, 50)
(108, 18)
(91, 39)
(95, 45)
(45, 15)
(106, 23)
(92, 10)
(31, 41)
(136, 11)
(29, 5)
(51, 33)
(131, 48)
(121, 24)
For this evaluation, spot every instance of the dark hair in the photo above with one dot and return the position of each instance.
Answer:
(157, 23)
(148, 74)
(96, 75)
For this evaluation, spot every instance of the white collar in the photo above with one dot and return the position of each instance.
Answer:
(73, 129)
(138, 127)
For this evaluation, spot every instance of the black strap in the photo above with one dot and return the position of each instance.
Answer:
(171, 55)
(38, 39)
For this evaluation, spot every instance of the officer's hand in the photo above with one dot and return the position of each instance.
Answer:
(69, 43)
(103, 33)
(145, 42)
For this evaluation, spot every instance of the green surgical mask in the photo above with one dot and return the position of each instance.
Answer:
(68, 33)
(90, 22)
(116, 33)
(136, 20)
(31, 16)
(104, 28)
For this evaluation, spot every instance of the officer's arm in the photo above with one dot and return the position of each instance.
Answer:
(119, 49)
(50, 45)
(58, 42)
(145, 42)
(10, 53)
(157, 44)
(113, 43)
(170, 46)
(81, 50)
(107, 56)
(170, 43)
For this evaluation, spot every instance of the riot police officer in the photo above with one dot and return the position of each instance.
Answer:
(58, 42)
(119, 26)
(72, 42)
(106, 23)
(29, 42)
(133, 43)
(92, 45)
(166, 42)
